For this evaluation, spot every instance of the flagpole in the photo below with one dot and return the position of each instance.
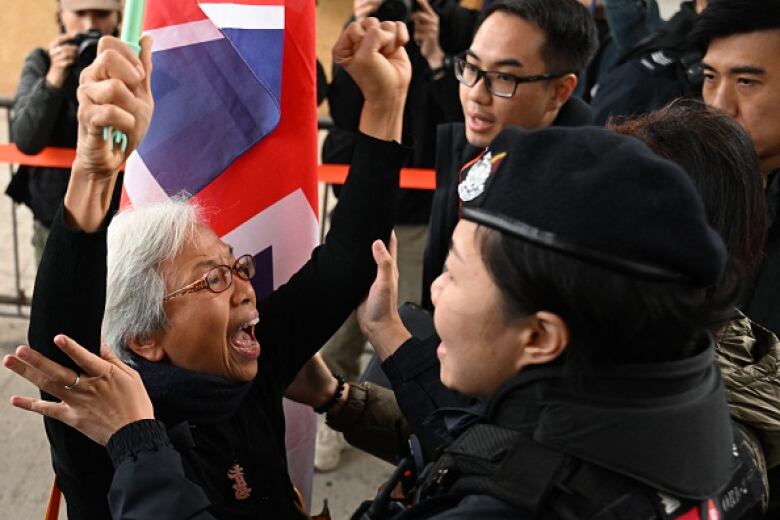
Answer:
(132, 21)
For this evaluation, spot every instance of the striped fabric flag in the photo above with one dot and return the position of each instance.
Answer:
(234, 125)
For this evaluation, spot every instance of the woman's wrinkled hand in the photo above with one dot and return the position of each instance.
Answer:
(98, 402)
(114, 92)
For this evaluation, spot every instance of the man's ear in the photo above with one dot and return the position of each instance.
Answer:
(562, 90)
(545, 338)
(148, 348)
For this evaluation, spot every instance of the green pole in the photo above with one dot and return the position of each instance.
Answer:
(132, 20)
(131, 23)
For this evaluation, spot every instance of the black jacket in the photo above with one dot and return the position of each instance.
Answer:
(652, 74)
(233, 424)
(763, 303)
(452, 152)
(43, 116)
(621, 439)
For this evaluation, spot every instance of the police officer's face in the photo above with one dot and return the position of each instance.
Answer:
(742, 78)
(507, 43)
(76, 22)
(479, 350)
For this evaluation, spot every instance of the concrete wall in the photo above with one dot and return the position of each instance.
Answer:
(24, 25)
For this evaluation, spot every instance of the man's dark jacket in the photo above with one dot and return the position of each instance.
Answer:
(452, 152)
(43, 116)
(652, 74)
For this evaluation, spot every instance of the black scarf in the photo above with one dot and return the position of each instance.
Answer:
(181, 395)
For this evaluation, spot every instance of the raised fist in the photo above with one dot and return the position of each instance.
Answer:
(373, 53)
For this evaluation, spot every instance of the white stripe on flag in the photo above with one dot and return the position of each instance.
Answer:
(240, 16)
(184, 34)
(139, 184)
(289, 226)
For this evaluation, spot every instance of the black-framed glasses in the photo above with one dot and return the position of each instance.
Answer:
(219, 278)
(501, 84)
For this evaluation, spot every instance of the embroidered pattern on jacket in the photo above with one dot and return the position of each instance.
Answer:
(240, 486)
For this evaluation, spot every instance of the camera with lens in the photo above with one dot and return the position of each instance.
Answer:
(86, 43)
(396, 10)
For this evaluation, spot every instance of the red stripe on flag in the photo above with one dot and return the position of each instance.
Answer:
(243, 2)
(171, 12)
(286, 159)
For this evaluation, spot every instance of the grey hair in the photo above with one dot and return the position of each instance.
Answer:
(140, 240)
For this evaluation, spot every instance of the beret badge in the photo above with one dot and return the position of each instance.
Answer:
(474, 184)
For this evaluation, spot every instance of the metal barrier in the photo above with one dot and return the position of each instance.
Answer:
(413, 178)
(19, 300)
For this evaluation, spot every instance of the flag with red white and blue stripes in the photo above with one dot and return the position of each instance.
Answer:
(235, 124)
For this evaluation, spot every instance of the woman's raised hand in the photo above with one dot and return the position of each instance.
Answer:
(105, 397)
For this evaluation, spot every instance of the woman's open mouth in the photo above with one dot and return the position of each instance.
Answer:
(243, 339)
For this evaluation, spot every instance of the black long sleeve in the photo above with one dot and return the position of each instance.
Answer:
(413, 371)
(149, 481)
(300, 316)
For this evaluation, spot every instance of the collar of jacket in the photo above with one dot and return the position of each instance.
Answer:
(672, 36)
(664, 424)
(181, 395)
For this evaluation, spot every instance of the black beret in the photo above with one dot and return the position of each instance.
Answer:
(598, 196)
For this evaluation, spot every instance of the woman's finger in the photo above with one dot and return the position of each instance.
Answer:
(51, 409)
(54, 385)
(89, 362)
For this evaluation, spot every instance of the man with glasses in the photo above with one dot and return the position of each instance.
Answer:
(521, 69)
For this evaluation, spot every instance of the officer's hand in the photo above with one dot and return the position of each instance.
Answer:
(61, 55)
(426, 34)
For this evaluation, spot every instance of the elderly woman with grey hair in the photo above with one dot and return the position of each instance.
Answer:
(176, 304)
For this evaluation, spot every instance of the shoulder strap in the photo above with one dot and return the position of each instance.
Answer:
(489, 459)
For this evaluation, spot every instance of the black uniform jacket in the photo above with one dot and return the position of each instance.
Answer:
(660, 427)
(452, 152)
(652, 74)
(232, 424)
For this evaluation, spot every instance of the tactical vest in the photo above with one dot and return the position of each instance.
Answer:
(543, 483)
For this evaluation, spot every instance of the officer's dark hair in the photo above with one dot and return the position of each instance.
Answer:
(571, 35)
(612, 317)
(722, 18)
(720, 158)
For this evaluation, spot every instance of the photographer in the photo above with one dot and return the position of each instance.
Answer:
(45, 105)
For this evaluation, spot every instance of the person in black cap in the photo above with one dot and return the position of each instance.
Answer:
(575, 304)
